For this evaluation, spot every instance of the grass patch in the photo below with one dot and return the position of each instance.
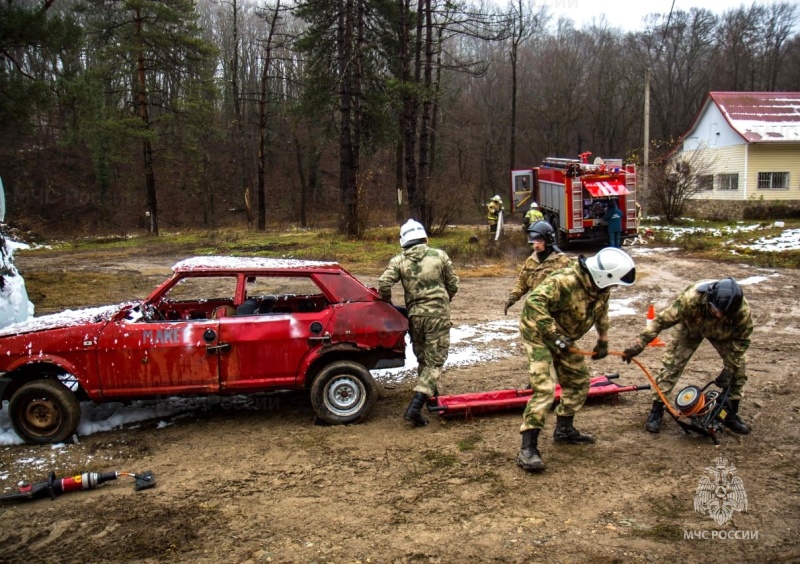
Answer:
(57, 291)
(492, 456)
(469, 442)
(473, 253)
(440, 460)
(467, 247)
(724, 241)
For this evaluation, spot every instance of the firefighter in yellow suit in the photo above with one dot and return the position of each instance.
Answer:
(532, 216)
(494, 207)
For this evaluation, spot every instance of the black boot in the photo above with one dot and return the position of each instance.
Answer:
(413, 413)
(656, 415)
(733, 422)
(528, 457)
(565, 433)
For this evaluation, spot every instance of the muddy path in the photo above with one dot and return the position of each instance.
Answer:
(264, 484)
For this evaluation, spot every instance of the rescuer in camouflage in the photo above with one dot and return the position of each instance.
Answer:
(546, 258)
(557, 312)
(429, 284)
(713, 310)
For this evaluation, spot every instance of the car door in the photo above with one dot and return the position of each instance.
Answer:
(265, 350)
(158, 358)
(144, 354)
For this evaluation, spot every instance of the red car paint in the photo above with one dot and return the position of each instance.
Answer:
(165, 346)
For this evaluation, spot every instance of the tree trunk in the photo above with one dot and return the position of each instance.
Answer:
(262, 121)
(298, 155)
(424, 128)
(244, 181)
(147, 149)
(348, 195)
(398, 174)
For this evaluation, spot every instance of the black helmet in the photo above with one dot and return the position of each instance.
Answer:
(725, 295)
(542, 230)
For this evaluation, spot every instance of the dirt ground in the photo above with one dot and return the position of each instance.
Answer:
(267, 485)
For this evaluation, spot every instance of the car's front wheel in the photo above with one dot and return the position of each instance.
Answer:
(343, 392)
(44, 411)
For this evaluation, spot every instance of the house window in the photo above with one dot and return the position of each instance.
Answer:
(705, 182)
(773, 180)
(728, 181)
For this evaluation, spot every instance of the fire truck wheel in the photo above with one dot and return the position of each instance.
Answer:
(561, 237)
(343, 392)
(44, 411)
(561, 240)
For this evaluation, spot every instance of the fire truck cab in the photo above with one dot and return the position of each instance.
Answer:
(573, 196)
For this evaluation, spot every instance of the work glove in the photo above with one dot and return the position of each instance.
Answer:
(509, 303)
(600, 350)
(631, 352)
(724, 378)
(560, 342)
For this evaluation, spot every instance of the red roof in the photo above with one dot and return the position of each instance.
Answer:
(760, 116)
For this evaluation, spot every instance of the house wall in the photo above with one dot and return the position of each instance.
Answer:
(765, 157)
(757, 157)
(713, 131)
(722, 160)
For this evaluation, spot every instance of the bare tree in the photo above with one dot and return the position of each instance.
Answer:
(679, 49)
(524, 23)
(272, 22)
(674, 180)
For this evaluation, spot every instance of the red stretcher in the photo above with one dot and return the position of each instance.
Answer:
(486, 402)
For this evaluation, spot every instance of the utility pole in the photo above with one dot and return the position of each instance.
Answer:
(646, 153)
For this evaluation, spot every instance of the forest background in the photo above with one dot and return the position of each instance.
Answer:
(132, 114)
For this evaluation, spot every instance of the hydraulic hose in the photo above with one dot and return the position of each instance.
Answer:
(643, 368)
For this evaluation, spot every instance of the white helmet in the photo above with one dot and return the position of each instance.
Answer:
(497, 198)
(411, 232)
(534, 206)
(611, 267)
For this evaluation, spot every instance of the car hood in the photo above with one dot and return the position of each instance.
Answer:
(68, 318)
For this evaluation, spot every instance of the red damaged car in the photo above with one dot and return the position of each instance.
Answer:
(218, 325)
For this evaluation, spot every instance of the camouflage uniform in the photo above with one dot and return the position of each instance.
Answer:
(534, 271)
(690, 312)
(429, 283)
(568, 303)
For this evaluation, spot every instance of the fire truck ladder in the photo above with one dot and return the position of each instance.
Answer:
(560, 163)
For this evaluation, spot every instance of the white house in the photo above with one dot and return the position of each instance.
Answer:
(750, 143)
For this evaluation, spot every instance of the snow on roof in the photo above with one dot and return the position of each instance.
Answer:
(68, 318)
(246, 263)
(764, 117)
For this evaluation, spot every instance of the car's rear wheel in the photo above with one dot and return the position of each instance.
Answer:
(44, 411)
(343, 392)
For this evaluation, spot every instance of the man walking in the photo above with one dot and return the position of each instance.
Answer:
(429, 284)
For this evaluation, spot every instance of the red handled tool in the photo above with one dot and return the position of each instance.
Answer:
(54, 487)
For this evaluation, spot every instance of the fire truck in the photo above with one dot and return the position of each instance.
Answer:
(573, 195)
